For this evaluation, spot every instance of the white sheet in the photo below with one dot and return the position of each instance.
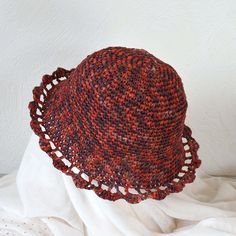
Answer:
(37, 200)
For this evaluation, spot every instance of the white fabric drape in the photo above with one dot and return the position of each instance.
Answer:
(38, 199)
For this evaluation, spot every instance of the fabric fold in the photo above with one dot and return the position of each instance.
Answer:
(39, 194)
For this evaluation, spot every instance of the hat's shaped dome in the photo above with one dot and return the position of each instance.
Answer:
(115, 124)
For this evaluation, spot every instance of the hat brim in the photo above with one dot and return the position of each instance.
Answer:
(50, 85)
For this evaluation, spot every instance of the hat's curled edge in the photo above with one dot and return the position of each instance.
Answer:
(186, 175)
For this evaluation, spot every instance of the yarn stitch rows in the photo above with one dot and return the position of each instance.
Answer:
(115, 124)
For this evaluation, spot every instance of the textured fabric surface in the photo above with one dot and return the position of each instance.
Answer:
(40, 200)
(115, 124)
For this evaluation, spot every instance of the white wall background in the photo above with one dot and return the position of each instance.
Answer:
(198, 38)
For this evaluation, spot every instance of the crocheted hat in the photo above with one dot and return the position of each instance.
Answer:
(115, 124)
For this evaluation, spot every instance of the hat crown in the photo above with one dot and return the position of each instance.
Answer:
(130, 96)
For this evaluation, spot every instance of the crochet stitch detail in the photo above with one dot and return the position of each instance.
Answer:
(115, 124)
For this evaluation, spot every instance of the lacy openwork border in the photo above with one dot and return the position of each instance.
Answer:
(81, 180)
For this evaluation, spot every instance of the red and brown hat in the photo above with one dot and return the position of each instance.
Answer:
(115, 124)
